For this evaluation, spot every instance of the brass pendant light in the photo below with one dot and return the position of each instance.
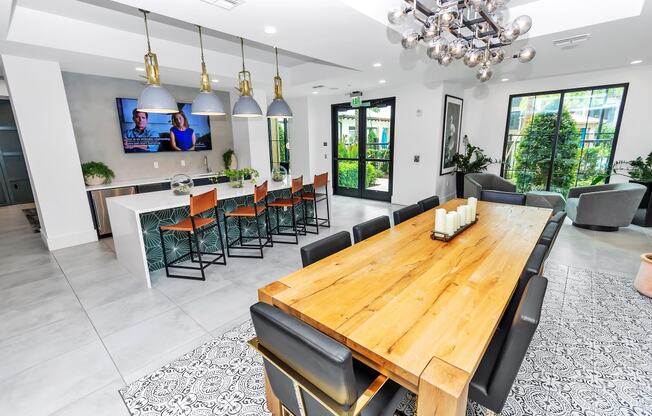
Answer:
(246, 106)
(278, 108)
(206, 103)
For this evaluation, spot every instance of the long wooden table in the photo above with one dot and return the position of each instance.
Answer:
(420, 311)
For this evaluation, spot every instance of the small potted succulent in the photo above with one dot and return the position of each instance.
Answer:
(96, 173)
(237, 176)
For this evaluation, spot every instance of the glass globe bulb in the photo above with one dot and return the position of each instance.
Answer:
(448, 16)
(396, 16)
(491, 6)
(410, 39)
(527, 54)
(472, 58)
(458, 48)
(497, 56)
(445, 59)
(428, 33)
(437, 48)
(484, 74)
(509, 35)
(524, 24)
(477, 5)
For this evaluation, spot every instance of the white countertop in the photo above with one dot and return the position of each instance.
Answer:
(161, 200)
(136, 182)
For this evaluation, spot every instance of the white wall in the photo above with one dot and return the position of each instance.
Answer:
(485, 111)
(3, 89)
(298, 134)
(97, 129)
(251, 139)
(39, 103)
(418, 132)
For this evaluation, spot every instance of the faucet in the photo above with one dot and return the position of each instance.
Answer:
(208, 170)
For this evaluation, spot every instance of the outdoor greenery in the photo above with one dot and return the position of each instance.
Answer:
(473, 160)
(226, 157)
(638, 169)
(347, 174)
(97, 169)
(535, 149)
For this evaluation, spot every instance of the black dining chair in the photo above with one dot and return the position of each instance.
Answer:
(406, 213)
(558, 217)
(313, 374)
(500, 197)
(323, 248)
(550, 233)
(493, 380)
(429, 203)
(533, 267)
(370, 228)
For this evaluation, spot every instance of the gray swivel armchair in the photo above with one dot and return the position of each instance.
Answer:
(313, 374)
(604, 207)
(475, 183)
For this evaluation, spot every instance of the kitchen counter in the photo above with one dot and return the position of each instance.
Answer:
(136, 182)
(135, 221)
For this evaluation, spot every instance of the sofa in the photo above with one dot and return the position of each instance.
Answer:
(475, 183)
(604, 207)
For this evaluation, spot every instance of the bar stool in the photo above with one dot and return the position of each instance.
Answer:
(320, 181)
(196, 225)
(254, 211)
(293, 202)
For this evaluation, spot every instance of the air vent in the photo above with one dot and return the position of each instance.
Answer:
(571, 41)
(317, 87)
(224, 4)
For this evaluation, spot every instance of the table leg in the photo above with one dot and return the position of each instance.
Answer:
(443, 390)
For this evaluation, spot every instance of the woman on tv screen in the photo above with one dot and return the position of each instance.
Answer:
(182, 137)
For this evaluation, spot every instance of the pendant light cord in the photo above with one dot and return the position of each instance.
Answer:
(242, 51)
(149, 47)
(276, 52)
(201, 44)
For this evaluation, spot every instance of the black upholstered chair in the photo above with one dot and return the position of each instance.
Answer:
(301, 361)
(550, 233)
(502, 360)
(512, 198)
(323, 248)
(370, 228)
(533, 267)
(406, 213)
(429, 203)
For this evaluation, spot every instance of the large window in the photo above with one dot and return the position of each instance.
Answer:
(562, 139)
(279, 148)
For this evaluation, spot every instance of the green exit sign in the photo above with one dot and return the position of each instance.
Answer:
(356, 101)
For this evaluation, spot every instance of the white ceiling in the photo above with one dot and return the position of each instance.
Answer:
(332, 43)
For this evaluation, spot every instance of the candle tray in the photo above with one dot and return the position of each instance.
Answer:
(446, 238)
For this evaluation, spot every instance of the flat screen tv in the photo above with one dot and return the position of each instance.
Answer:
(151, 133)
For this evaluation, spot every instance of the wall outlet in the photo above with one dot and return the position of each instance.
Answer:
(325, 156)
(155, 165)
(417, 158)
(325, 144)
(183, 162)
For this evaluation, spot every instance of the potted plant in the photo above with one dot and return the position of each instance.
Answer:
(96, 173)
(237, 176)
(230, 161)
(473, 160)
(638, 170)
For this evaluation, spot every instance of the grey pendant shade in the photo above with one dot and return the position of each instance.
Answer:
(154, 98)
(246, 106)
(206, 103)
(278, 108)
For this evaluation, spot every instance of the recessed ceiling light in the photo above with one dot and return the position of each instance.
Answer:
(377, 65)
(140, 69)
(315, 92)
(505, 79)
(382, 81)
(270, 30)
(215, 80)
(636, 62)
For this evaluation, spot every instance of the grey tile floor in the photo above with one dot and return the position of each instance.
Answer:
(75, 327)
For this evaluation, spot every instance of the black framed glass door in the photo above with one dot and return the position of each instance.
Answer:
(363, 149)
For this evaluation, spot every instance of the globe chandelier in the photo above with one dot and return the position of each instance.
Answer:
(474, 31)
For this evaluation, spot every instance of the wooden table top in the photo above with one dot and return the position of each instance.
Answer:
(402, 300)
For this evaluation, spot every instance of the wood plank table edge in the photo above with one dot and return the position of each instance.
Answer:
(443, 389)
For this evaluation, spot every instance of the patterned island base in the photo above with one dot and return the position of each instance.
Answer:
(176, 244)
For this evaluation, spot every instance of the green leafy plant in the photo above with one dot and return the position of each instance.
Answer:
(347, 174)
(535, 149)
(237, 176)
(226, 157)
(473, 160)
(97, 169)
(638, 169)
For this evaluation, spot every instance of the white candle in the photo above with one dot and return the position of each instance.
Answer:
(461, 211)
(473, 203)
(469, 215)
(451, 219)
(440, 221)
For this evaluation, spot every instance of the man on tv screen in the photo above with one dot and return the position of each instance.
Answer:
(140, 138)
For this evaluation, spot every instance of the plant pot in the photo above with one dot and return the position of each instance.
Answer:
(94, 180)
(643, 282)
(459, 184)
(237, 183)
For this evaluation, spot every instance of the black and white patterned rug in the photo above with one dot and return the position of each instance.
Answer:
(592, 355)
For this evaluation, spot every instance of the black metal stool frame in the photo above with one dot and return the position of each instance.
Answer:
(315, 219)
(202, 264)
(268, 242)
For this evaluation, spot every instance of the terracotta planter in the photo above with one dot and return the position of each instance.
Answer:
(643, 282)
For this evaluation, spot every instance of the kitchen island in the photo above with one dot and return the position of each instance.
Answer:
(135, 220)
